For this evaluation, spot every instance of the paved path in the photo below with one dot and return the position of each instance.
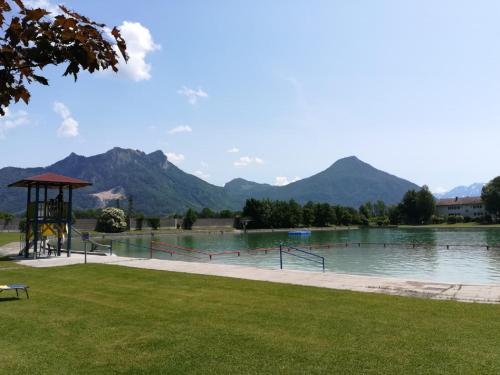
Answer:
(9, 249)
(372, 284)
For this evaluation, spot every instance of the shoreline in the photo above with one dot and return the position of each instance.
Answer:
(215, 230)
(479, 293)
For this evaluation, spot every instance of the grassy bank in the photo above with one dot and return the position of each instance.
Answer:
(458, 226)
(110, 319)
(7, 237)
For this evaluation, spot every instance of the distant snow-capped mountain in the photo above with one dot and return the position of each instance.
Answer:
(473, 190)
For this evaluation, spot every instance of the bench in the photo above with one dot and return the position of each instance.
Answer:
(15, 287)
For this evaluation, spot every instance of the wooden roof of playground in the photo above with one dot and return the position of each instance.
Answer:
(52, 181)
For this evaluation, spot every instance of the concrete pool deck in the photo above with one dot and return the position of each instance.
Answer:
(360, 283)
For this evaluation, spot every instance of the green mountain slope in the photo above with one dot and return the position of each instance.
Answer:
(157, 186)
(348, 182)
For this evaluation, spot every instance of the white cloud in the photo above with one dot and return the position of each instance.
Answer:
(69, 126)
(12, 120)
(139, 44)
(204, 164)
(202, 175)
(233, 150)
(192, 95)
(175, 158)
(45, 4)
(137, 37)
(181, 129)
(439, 190)
(283, 180)
(247, 160)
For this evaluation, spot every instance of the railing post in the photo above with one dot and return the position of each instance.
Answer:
(281, 257)
(111, 248)
(151, 250)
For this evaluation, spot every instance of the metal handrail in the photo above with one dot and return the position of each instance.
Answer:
(190, 249)
(152, 249)
(322, 261)
(91, 241)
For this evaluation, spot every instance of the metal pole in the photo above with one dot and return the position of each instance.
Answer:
(85, 249)
(45, 204)
(281, 257)
(151, 250)
(111, 248)
(27, 229)
(59, 222)
(69, 219)
(35, 229)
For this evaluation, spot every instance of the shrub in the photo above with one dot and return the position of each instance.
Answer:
(486, 219)
(438, 219)
(382, 221)
(453, 219)
(139, 221)
(189, 219)
(111, 220)
(364, 220)
(7, 217)
(154, 222)
(22, 225)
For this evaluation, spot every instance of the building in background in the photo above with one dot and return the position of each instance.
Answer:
(472, 207)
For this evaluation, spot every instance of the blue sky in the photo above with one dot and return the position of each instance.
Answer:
(411, 87)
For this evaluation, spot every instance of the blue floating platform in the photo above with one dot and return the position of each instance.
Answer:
(299, 233)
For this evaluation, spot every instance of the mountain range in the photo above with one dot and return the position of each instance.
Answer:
(473, 190)
(159, 187)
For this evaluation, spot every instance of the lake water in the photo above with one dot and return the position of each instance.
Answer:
(432, 261)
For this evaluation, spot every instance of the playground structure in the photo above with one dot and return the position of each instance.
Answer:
(48, 216)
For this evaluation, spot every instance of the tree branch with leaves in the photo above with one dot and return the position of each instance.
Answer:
(33, 38)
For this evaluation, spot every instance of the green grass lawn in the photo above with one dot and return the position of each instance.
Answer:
(110, 319)
(7, 237)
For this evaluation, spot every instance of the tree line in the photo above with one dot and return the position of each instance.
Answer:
(416, 207)
(266, 213)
